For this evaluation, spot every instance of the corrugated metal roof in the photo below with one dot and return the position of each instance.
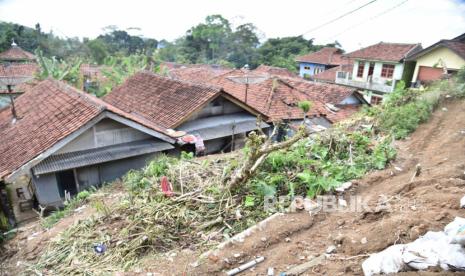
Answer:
(221, 126)
(84, 158)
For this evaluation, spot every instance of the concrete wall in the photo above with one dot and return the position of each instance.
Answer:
(112, 170)
(105, 133)
(47, 191)
(398, 70)
(310, 71)
(451, 59)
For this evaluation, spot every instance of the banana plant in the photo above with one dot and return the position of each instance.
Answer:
(59, 70)
(119, 68)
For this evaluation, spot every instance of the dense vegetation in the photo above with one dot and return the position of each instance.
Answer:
(214, 41)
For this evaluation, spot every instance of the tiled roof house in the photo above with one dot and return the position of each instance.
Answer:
(319, 61)
(17, 67)
(66, 140)
(183, 106)
(439, 60)
(378, 68)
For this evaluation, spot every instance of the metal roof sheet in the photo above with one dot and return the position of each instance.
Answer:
(221, 126)
(71, 160)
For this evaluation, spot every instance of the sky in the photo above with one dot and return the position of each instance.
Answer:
(402, 21)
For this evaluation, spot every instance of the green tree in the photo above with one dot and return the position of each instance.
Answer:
(97, 50)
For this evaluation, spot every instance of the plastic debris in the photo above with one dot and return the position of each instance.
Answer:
(386, 261)
(342, 202)
(100, 248)
(80, 209)
(456, 230)
(270, 271)
(344, 186)
(462, 202)
(245, 266)
(166, 186)
(302, 268)
(330, 249)
(434, 249)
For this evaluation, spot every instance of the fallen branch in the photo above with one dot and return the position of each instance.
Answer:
(259, 147)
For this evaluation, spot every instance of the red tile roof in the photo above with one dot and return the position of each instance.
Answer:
(329, 75)
(16, 73)
(95, 72)
(162, 100)
(277, 104)
(275, 97)
(15, 53)
(326, 56)
(198, 73)
(324, 92)
(457, 47)
(48, 113)
(21, 88)
(344, 113)
(385, 51)
(274, 71)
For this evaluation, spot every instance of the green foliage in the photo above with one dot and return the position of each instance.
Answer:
(320, 164)
(249, 201)
(83, 195)
(187, 155)
(305, 106)
(59, 69)
(80, 199)
(403, 111)
(118, 68)
(34, 39)
(98, 50)
(137, 181)
(120, 42)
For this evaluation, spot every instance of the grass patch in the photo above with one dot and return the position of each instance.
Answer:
(79, 200)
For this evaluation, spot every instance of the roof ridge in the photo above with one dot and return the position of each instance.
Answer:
(81, 94)
(200, 85)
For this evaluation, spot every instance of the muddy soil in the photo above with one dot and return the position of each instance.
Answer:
(412, 206)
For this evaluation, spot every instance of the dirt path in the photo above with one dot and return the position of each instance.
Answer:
(429, 202)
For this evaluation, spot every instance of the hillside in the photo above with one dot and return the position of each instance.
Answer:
(146, 231)
(429, 202)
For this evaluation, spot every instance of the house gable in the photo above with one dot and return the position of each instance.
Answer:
(435, 58)
(107, 132)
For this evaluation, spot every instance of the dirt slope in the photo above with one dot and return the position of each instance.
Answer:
(429, 202)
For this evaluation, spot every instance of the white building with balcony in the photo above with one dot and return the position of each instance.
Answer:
(378, 68)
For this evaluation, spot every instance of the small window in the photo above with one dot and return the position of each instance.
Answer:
(360, 69)
(376, 100)
(387, 71)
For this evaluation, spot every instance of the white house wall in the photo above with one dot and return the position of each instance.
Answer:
(398, 70)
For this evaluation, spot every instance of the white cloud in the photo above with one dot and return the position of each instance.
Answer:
(424, 21)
